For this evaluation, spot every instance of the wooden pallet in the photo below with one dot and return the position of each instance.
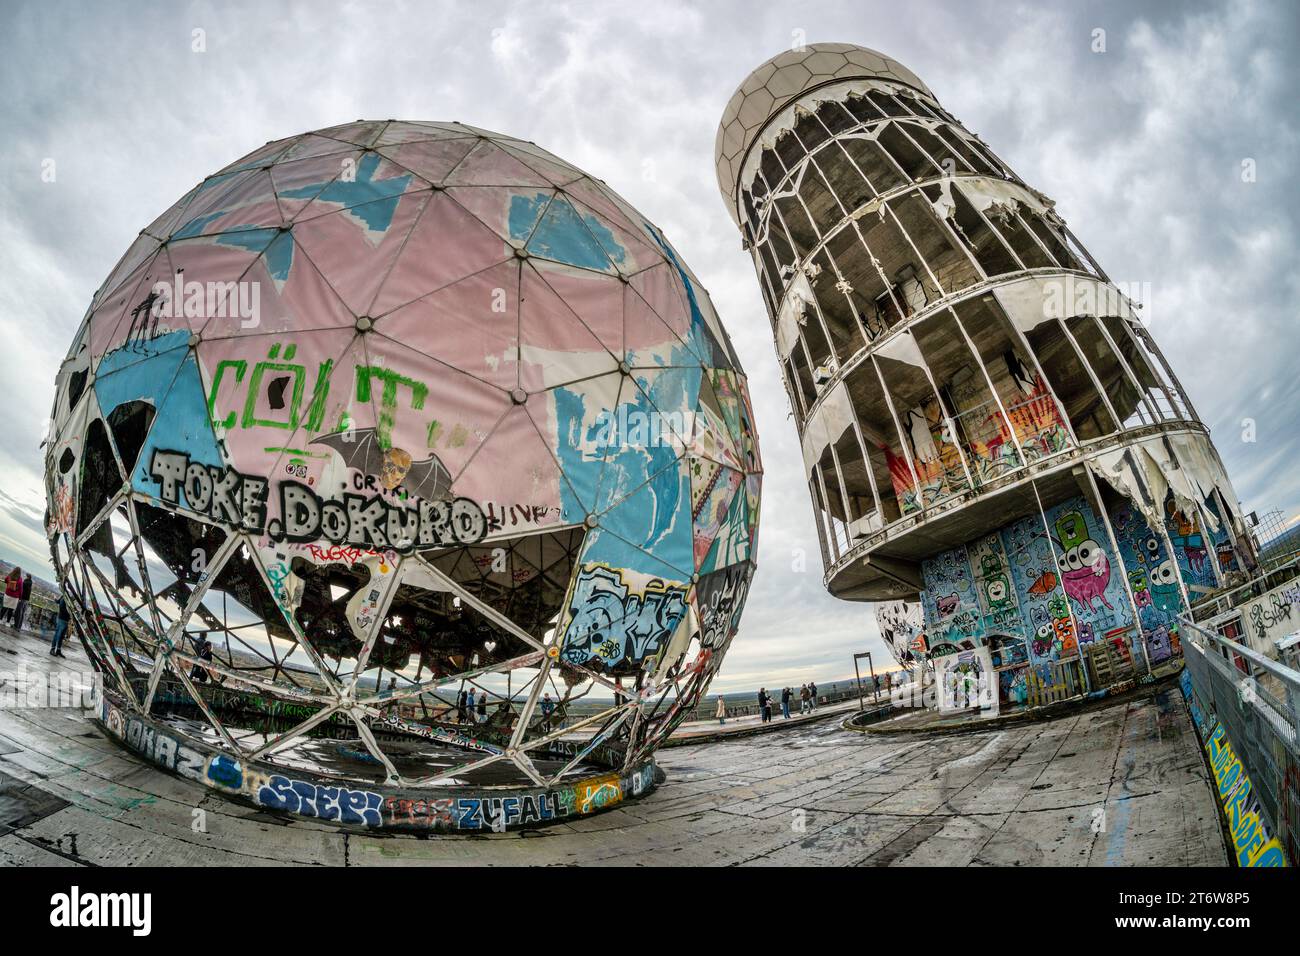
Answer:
(1109, 663)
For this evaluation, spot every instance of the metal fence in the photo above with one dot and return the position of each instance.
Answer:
(1257, 703)
(707, 709)
(38, 618)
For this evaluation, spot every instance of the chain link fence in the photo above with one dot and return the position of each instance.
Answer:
(1257, 703)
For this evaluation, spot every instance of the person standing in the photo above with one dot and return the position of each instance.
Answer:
(812, 696)
(13, 594)
(460, 706)
(548, 707)
(60, 627)
(785, 703)
(803, 699)
(203, 651)
(764, 705)
(23, 599)
(722, 711)
(482, 706)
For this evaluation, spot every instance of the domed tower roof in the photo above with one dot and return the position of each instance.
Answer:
(785, 77)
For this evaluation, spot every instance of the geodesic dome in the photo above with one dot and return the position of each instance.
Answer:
(387, 411)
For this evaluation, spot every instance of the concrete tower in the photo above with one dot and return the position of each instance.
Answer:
(985, 422)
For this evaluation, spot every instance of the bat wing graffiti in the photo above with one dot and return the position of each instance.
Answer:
(359, 448)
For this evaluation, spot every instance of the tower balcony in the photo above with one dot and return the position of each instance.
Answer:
(884, 563)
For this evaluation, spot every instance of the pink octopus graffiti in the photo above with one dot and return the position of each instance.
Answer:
(1085, 572)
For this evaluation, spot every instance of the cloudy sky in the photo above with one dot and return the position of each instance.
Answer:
(1142, 146)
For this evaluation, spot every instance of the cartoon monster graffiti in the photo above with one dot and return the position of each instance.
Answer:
(1166, 596)
(1164, 586)
(1063, 634)
(997, 587)
(1158, 644)
(1185, 533)
(1137, 582)
(1043, 632)
(1085, 569)
(1153, 581)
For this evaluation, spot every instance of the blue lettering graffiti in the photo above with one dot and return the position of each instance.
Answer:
(497, 813)
(327, 803)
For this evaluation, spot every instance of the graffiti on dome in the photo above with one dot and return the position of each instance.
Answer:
(612, 622)
(334, 428)
(240, 501)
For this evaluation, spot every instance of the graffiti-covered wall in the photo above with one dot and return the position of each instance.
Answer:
(1038, 588)
(1152, 580)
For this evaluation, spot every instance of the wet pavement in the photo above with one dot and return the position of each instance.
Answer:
(1120, 785)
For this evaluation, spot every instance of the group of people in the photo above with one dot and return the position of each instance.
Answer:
(470, 710)
(807, 702)
(18, 592)
(17, 597)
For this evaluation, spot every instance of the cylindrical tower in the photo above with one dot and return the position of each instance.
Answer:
(961, 373)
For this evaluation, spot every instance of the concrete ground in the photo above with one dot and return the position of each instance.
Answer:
(1122, 785)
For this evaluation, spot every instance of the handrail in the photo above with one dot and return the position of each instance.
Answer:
(1254, 703)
